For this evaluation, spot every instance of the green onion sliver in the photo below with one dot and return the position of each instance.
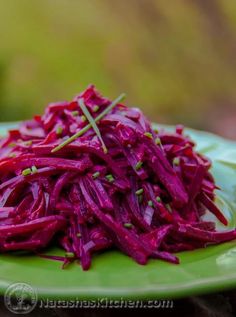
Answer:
(95, 108)
(96, 175)
(148, 135)
(158, 141)
(138, 165)
(110, 178)
(12, 144)
(176, 161)
(139, 191)
(128, 225)
(12, 155)
(69, 255)
(83, 118)
(88, 126)
(26, 172)
(92, 122)
(34, 169)
(140, 198)
(75, 113)
(28, 143)
(59, 130)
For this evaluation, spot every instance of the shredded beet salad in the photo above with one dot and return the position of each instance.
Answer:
(91, 174)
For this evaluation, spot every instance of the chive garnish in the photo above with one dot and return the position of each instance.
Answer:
(96, 175)
(75, 113)
(158, 198)
(140, 198)
(128, 225)
(28, 143)
(92, 122)
(138, 165)
(26, 172)
(87, 127)
(155, 130)
(83, 118)
(158, 141)
(34, 169)
(110, 178)
(176, 161)
(95, 108)
(12, 144)
(139, 191)
(69, 255)
(12, 155)
(150, 203)
(29, 171)
(59, 130)
(148, 135)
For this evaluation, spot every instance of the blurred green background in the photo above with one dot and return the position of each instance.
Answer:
(175, 59)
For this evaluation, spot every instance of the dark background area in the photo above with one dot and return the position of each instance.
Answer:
(174, 59)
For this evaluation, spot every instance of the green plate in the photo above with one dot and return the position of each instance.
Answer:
(115, 275)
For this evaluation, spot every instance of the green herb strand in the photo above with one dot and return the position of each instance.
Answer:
(110, 178)
(95, 108)
(69, 255)
(12, 144)
(29, 171)
(34, 169)
(96, 175)
(140, 198)
(93, 123)
(158, 141)
(88, 126)
(75, 113)
(176, 161)
(26, 172)
(128, 225)
(148, 135)
(138, 165)
(59, 130)
(83, 118)
(28, 143)
(139, 191)
(12, 155)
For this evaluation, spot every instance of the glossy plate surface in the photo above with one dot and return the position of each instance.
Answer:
(114, 275)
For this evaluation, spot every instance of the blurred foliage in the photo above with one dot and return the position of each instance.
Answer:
(174, 59)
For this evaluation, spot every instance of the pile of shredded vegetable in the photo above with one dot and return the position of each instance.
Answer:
(92, 174)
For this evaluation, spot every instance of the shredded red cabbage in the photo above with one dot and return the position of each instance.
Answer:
(146, 194)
